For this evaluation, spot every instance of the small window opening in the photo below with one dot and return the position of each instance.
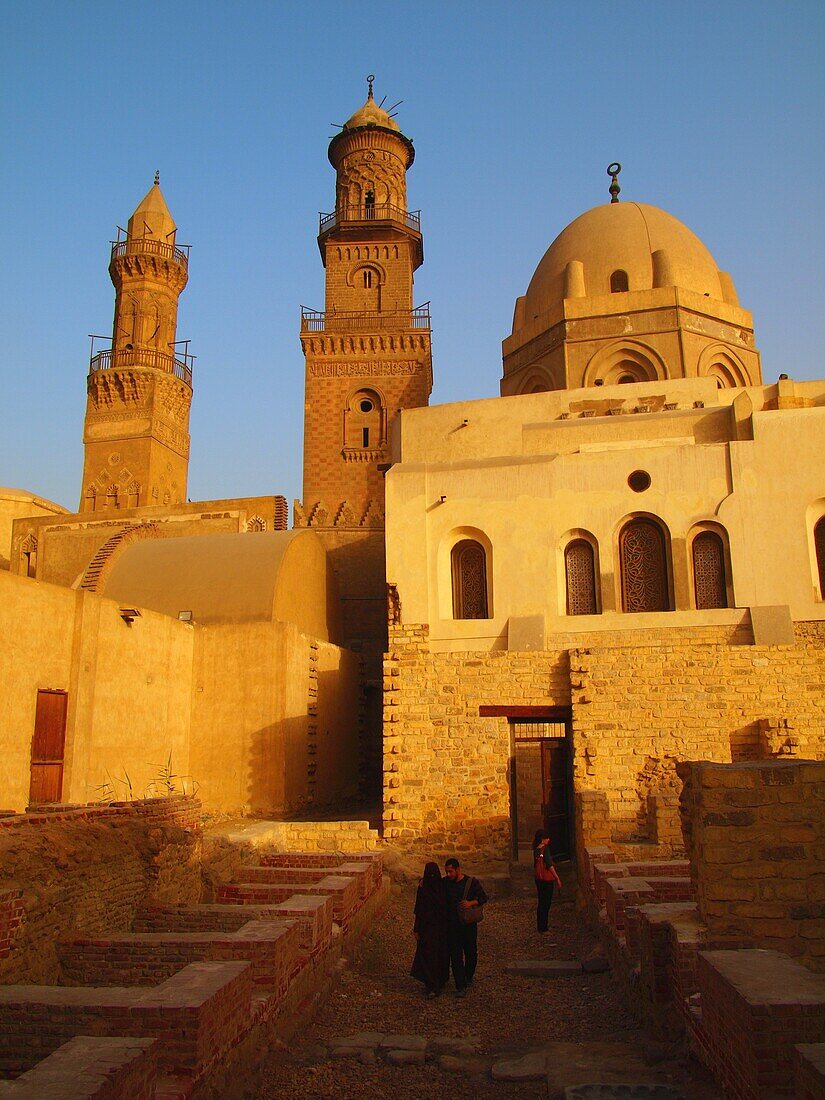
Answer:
(369, 204)
(639, 480)
(366, 436)
(618, 282)
(625, 379)
(367, 279)
(366, 406)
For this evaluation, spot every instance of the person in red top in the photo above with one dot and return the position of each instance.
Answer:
(546, 876)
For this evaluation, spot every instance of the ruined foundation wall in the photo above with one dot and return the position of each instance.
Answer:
(755, 835)
(88, 871)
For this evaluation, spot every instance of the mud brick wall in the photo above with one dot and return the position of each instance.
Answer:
(756, 841)
(445, 768)
(87, 871)
(149, 959)
(97, 1066)
(638, 710)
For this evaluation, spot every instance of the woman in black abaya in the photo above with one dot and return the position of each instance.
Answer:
(431, 964)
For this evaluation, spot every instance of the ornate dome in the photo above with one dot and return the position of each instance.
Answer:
(622, 246)
(371, 115)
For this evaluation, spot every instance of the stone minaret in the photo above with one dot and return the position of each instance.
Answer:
(367, 355)
(136, 432)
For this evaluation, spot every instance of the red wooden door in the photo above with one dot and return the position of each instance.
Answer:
(47, 747)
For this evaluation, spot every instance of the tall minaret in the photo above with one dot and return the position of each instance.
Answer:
(367, 355)
(136, 432)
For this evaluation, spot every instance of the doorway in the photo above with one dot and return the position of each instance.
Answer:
(541, 783)
(47, 747)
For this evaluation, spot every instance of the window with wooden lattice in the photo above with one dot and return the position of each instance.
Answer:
(580, 576)
(709, 586)
(643, 561)
(469, 569)
(819, 543)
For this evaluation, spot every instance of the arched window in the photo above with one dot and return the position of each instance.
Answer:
(709, 587)
(618, 282)
(364, 422)
(819, 543)
(643, 560)
(367, 278)
(580, 574)
(29, 557)
(469, 567)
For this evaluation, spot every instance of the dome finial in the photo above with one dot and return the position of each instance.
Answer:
(157, 179)
(370, 79)
(613, 170)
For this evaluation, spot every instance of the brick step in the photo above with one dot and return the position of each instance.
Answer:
(601, 870)
(197, 1015)
(91, 1068)
(313, 915)
(373, 860)
(343, 890)
(148, 958)
(620, 893)
(275, 876)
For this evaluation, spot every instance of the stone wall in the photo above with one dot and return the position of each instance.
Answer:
(637, 711)
(88, 871)
(640, 704)
(756, 839)
(445, 768)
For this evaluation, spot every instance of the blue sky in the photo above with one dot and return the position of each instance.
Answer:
(714, 110)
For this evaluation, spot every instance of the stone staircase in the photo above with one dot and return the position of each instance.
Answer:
(153, 1013)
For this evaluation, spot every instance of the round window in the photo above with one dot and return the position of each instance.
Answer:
(366, 405)
(639, 480)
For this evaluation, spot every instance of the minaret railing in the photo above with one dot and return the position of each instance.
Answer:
(148, 246)
(365, 320)
(371, 212)
(121, 358)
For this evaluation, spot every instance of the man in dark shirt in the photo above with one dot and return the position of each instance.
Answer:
(462, 894)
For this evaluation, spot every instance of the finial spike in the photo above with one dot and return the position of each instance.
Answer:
(370, 79)
(157, 179)
(613, 170)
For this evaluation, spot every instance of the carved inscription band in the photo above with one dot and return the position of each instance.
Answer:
(360, 370)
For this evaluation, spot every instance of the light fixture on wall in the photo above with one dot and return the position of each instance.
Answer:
(129, 614)
(442, 499)
(185, 616)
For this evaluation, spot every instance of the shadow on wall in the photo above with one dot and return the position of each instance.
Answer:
(271, 789)
(746, 743)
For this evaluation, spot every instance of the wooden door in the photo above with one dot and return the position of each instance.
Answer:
(47, 747)
(554, 784)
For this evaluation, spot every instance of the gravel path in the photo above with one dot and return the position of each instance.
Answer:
(505, 1013)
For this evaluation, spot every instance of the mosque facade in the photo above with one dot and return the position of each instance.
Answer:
(501, 614)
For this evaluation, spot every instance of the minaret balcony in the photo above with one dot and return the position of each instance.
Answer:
(128, 358)
(367, 320)
(369, 214)
(149, 246)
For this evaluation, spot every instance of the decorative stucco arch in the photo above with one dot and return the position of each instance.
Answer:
(625, 360)
(719, 362)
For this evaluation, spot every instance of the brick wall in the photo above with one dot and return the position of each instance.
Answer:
(88, 870)
(756, 839)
